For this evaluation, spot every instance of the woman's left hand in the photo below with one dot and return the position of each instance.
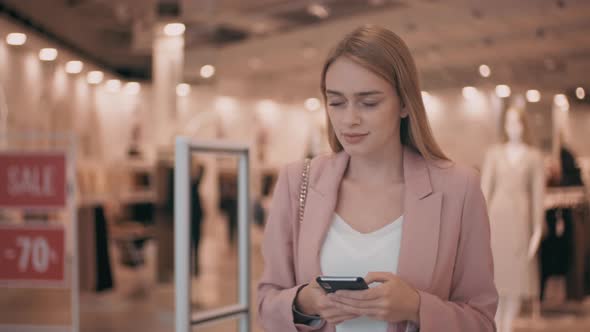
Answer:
(392, 301)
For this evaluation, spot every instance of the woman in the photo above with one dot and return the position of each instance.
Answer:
(387, 205)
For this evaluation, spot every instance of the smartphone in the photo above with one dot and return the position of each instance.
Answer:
(332, 284)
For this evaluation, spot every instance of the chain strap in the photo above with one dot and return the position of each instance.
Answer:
(303, 189)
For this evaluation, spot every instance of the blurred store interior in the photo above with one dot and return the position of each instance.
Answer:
(123, 78)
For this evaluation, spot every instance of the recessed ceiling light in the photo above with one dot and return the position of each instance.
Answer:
(113, 85)
(48, 54)
(484, 71)
(174, 29)
(503, 91)
(132, 88)
(94, 77)
(74, 67)
(533, 96)
(183, 90)
(561, 101)
(16, 39)
(312, 104)
(207, 71)
(580, 93)
(469, 92)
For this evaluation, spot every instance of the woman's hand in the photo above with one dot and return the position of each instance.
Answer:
(392, 301)
(312, 300)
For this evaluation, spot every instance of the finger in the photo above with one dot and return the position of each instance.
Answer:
(360, 311)
(335, 314)
(357, 303)
(341, 319)
(372, 277)
(367, 294)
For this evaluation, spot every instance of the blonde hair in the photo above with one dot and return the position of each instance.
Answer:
(385, 54)
(526, 129)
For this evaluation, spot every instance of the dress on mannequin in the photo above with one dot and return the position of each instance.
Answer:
(514, 193)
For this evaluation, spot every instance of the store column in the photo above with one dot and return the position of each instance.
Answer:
(167, 66)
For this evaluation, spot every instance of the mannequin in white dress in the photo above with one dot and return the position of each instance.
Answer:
(513, 183)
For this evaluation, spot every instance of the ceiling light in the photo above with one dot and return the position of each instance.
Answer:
(207, 71)
(561, 101)
(318, 10)
(174, 29)
(113, 85)
(580, 93)
(312, 104)
(74, 67)
(48, 54)
(533, 96)
(183, 90)
(132, 88)
(16, 38)
(503, 91)
(470, 92)
(94, 77)
(484, 71)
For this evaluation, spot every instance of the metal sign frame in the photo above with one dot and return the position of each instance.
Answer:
(182, 230)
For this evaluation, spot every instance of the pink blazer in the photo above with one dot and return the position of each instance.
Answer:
(445, 251)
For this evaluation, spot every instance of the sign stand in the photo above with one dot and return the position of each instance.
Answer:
(37, 254)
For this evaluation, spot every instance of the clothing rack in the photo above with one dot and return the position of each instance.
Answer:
(565, 197)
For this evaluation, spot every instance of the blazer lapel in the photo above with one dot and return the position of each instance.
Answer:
(422, 213)
(318, 213)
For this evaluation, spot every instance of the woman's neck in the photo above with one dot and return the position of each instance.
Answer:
(377, 169)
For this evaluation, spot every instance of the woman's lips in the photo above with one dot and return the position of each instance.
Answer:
(354, 138)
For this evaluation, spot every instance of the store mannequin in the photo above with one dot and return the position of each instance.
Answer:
(513, 183)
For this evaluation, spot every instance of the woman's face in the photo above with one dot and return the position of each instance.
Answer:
(363, 108)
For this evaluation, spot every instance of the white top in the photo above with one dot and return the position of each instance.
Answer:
(349, 253)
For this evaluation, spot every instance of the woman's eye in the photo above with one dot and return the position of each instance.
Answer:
(370, 104)
(336, 103)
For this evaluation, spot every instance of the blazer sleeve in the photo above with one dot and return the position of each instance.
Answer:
(277, 287)
(473, 299)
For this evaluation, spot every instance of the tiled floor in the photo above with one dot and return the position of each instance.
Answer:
(140, 304)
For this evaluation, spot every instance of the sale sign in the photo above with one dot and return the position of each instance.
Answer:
(32, 253)
(32, 180)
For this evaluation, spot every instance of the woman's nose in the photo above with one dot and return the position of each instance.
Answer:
(352, 117)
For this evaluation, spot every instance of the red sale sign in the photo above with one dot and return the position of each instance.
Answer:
(32, 180)
(32, 253)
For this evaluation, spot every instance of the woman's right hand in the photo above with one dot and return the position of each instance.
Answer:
(312, 300)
